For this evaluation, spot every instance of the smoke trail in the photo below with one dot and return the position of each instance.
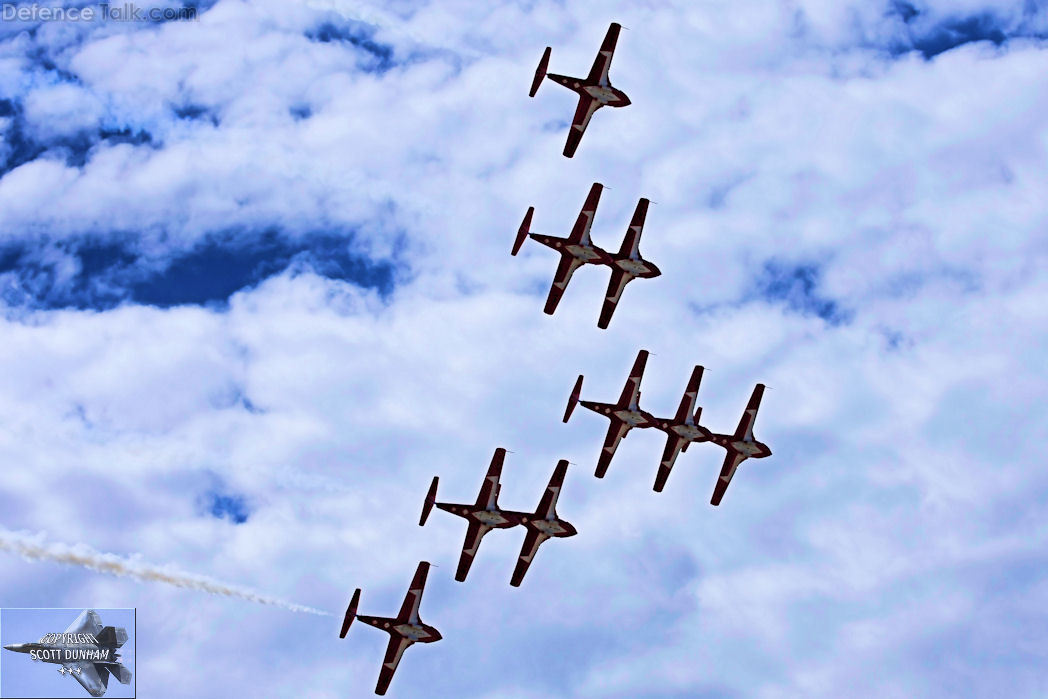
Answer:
(36, 547)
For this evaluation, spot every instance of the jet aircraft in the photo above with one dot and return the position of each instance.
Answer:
(627, 265)
(682, 429)
(623, 415)
(482, 516)
(595, 90)
(575, 250)
(739, 446)
(542, 524)
(404, 629)
(485, 515)
(86, 650)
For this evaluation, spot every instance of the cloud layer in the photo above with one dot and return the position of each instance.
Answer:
(257, 291)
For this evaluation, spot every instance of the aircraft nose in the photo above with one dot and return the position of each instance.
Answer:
(625, 100)
(16, 647)
(436, 634)
(571, 529)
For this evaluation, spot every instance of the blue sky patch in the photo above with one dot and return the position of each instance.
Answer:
(940, 37)
(797, 286)
(226, 506)
(106, 273)
(378, 57)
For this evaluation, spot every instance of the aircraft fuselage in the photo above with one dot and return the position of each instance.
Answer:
(491, 518)
(421, 633)
(750, 449)
(692, 433)
(637, 268)
(632, 416)
(583, 253)
(603, 93)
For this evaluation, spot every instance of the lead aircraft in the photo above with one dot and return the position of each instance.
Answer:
(405, 629)
(595, 90)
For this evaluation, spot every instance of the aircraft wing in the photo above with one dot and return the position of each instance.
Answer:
(93, 678)
(527, 554)
(587, 105)
(691, 394)
(616, 431)
(599, 72)
(397, 645)
(548, 504)
(580, 233)
(631, 243)
(489, 491)
(474, 534)
(87, 622)
(565, 269)
(731, 462)
(409, 610)
(745, 429)
(674, 444)
(616, 285)
(631, 391)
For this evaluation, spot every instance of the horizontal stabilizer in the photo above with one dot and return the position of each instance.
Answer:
(522, 232)
(351, 613)
(540, 72)
(431, 497)
(112, 636)
(573, 400)
(121, 673)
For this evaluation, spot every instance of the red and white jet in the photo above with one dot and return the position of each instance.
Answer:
(404, 629)
(575, 250)
(542, 524)
(482, 516)
(682, 430)
(485, 515)
(623, 415)
(627, 265)
(595, 90)
(578, 249)
(739, 446)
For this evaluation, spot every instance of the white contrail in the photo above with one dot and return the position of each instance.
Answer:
(36, 547)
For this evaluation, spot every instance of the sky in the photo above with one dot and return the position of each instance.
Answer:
(23, 677)
(256, 291)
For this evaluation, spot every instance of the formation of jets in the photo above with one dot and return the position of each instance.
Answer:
(683, 429)
(578, 249)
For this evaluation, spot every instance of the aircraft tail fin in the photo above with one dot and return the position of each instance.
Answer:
(112, 636)
(573, 400)
(522, 232)
(351, 613)
(540, 72)
(431, 498)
